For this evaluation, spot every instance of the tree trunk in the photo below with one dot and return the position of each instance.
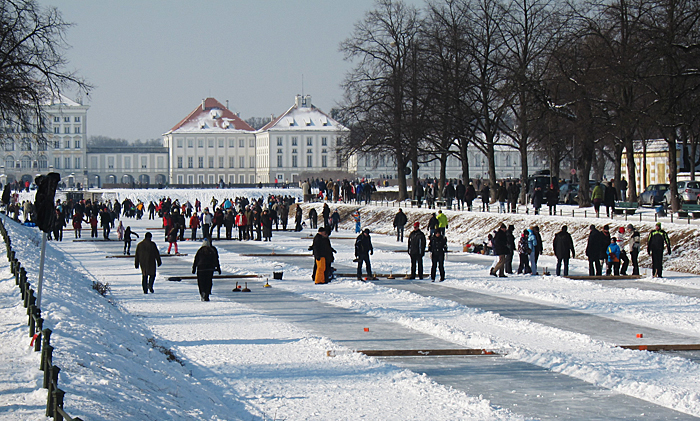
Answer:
(401, 175)
(673, 170)
(491, 158)
(584, 169)
(523, 176)
(631, 171)
(414, 171)
(644, 164)
(464, 156)
(618, 167)
(443, 174)
(693, 153)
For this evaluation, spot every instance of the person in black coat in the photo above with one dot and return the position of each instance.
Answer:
(500, 249)
(313, 218)
(127, 240)
(399, 222)
(326, 213)
(460, 190)
(596, 242)
(511, 249)
(438, 248)
(537, 199)
(485, 198)
(206, 261)
(563, 249)
(416, 249)
(470, 195)
(363, 248)
(513, 193)
(323, 257)
(552, 199)
(147, 258)
(609, 198)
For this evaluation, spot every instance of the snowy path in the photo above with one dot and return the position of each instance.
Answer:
(263, 353)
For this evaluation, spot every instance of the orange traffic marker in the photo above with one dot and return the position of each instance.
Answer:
(640, 335)
(366, 329)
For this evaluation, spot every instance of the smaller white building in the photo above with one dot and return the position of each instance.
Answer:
(507, 165)
(141, 166)
(304, 139)
(211, 144)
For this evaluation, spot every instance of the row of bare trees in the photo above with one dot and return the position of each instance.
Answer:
(572, 80)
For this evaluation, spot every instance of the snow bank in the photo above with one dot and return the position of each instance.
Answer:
(474, 227)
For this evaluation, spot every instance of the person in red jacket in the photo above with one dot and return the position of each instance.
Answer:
(241, 222)
(194, 224)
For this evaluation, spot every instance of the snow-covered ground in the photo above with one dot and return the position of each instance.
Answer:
(239, 363)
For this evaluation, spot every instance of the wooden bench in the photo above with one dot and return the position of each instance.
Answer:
(628, 208)
(440, 203)
(689, 210)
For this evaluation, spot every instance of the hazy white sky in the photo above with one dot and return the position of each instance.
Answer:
(152, 62)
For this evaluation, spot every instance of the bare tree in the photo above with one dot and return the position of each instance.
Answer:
(532, 30)
(32, 61)
(488, 95)
(381, 104)
(449, 79)
(672, 28)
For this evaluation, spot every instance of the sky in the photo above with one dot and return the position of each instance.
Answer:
(152, 62)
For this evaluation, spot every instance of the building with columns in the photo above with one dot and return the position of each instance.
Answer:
(209, 145)
(127, 165)
(301, 140)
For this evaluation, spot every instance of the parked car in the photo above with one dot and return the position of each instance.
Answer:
(688, 192)
(653, 195)
(568, 193)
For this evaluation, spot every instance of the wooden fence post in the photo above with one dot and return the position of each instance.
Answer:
(57, 403)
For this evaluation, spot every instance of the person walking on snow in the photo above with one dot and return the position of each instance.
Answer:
(147, 258)
(655, 247)
(634, 244)
(206, 261)
(437, 248)
(613, 253)
(363, 248)
(399, 222)
(356, 218)
(532, 245)
(524, 253)
(563, 249)
(416, 249)
(500, 249)
(172, 238)
(120, 231)
(127, 239)
(323, 257)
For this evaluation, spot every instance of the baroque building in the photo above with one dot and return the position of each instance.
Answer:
(210, 145)
(303, 140)
(64, 127)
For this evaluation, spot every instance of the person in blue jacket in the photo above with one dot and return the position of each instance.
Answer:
(532, 244)
(613, 253)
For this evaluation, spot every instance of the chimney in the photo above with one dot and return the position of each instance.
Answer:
(307, 101)
(227, 104)
(272, 117)
(297, 100)
(203, 107)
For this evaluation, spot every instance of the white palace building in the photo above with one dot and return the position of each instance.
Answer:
(208, 146)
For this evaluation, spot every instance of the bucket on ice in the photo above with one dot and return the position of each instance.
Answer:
(277, 272)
